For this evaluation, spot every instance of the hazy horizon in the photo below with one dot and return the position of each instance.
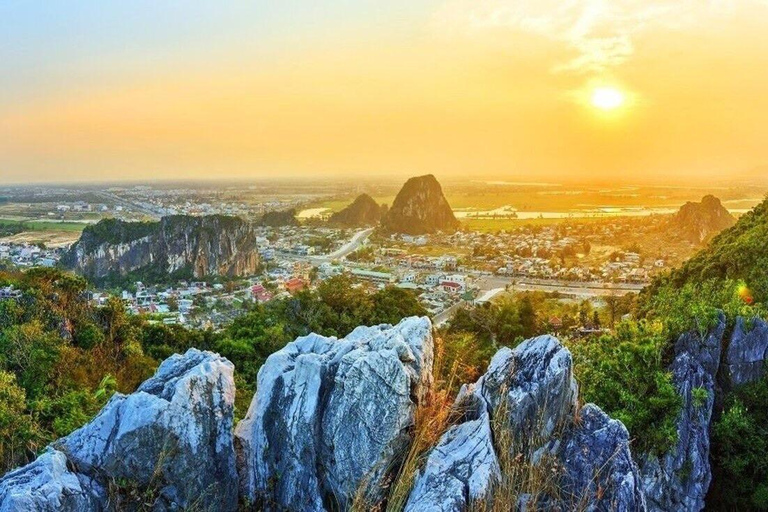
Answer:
(586, 91)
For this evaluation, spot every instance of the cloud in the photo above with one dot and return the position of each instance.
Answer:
(600, 33)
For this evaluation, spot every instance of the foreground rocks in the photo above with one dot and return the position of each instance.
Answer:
(679, 480)
(332, 420)
(171, 439)
(530, 394)
(332, 416)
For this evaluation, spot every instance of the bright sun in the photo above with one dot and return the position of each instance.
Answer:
(607, 98)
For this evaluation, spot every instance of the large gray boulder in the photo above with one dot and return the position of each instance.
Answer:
(747, 352)
(48, 485)
(599, 474)
(680, 478)
(461, 470)
(533, 385)
(332, 417)
(171, 439)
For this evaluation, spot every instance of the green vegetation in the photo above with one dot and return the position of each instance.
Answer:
(11, 226)
(62, 358)
(740, 451)
(736, 255)
(625, 374)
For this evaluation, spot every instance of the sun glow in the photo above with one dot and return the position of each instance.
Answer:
(607, 98)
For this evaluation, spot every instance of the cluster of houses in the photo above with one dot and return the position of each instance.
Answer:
(27, 255)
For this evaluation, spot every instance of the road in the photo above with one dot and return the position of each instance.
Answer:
(356, 241)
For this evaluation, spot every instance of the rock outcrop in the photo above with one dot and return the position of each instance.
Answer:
(180, 245)
(171, 439)
(531, 392)
(331, 418)
(363, 211)
(419, 208)
(679, 479)
(599, 473)
(699, 222)
(747, 352)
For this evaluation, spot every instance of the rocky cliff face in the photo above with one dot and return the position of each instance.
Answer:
(699, 222)
(171, 439)
(679, 480)
(182, 245)
(363, 211)
(420, 207)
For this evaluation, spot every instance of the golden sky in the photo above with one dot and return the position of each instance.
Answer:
(492, 88)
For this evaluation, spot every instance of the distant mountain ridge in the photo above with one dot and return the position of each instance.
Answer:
(363, 211)
(178, 245)
(699, 222)
(420, 208)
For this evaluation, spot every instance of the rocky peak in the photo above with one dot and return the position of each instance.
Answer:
(335, 414)
(699, 222)
(364, 211)
(420, 207)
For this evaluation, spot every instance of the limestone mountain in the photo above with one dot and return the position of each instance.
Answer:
(180, 245)
(419, 208)
(363, 211)
(699, 222)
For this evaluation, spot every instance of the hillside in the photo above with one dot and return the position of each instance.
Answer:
(419, 208)
(181, 246)
(738, 254)
(363, 211)
(699, 222)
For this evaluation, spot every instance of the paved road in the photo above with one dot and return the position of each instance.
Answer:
(357, 240)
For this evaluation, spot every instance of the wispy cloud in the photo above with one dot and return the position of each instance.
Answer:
(601, 33)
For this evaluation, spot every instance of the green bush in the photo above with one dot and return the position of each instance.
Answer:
(625, 374)
(740, 451)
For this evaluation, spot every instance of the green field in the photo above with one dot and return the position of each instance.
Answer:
(39, 225)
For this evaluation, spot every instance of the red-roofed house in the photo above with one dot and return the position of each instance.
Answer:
(295, 284)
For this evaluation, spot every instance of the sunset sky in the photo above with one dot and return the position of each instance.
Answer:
(548, 90)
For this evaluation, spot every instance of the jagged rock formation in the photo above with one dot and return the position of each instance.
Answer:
(699, 222)
(363, 211)
(183, 245)
(747, 352)
(330, 416)
(679, 480)
(172, 438)
(531, 391)
(599, 472)
(420, 207)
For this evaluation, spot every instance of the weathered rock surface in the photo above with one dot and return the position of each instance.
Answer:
(533, 388)
(679, 480)
(47, 485)
(747, 352)
(172, 437)
(599, 472)
(332, 416)
(198, 246)
(462, 468)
